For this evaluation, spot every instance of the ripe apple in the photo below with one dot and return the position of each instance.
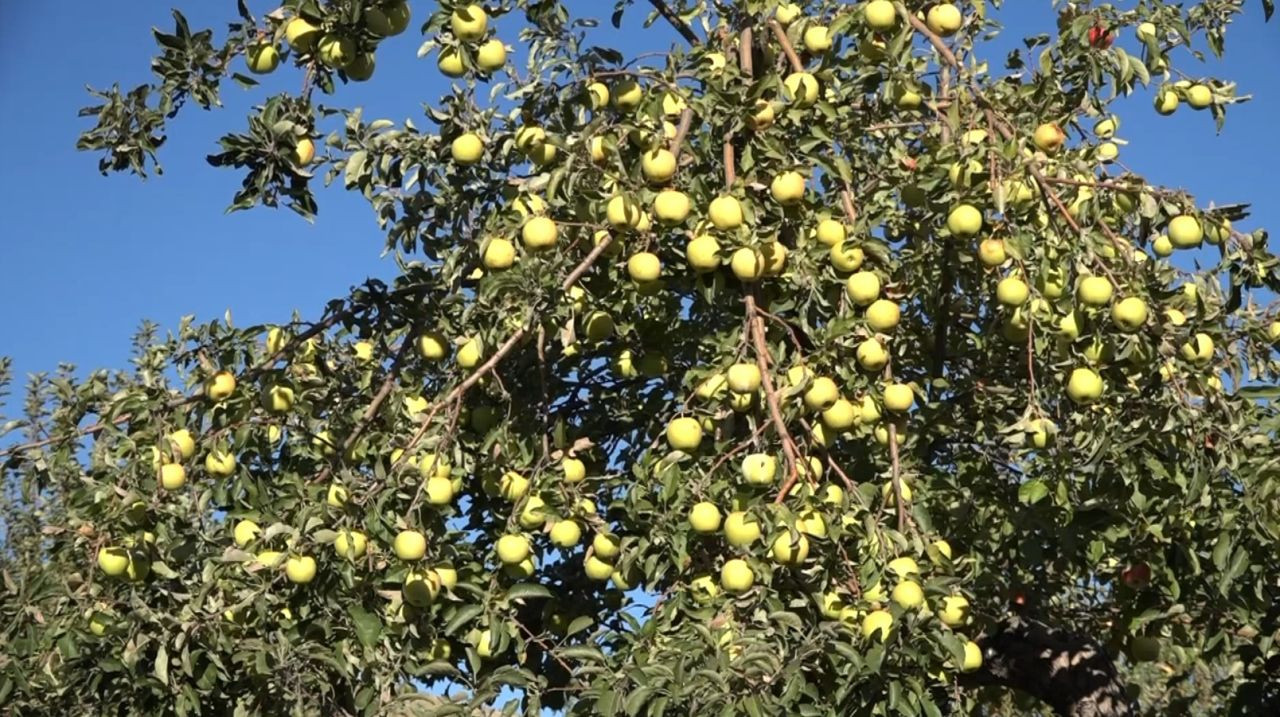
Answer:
(575, 471)
(605, 546)
(954, 611)
(387, 19)
(1136, 576)
(748, 264)
(671, 207)
(597, 569)
(744, 378)
(1199, 350)
(450, 63)
(1166, 101)
(300, 569)
(470, 352)
(1094, 291)
(908, 595)
(740, 529)
(1199, 96)
(469, 22)
(410, 545)
(705, 517)
(220, 386)
(599, 326)
(725, 213)
(658, 165)
(431, 346)
(539, 233)
(1162, 246)
(802, 89)
(877, 622)
(439, 491)
(760, 469)
(301, 35)
(1185, 231)
(822, 393)
(898, 397)
(788, 549)
(944, 19)
(644, 267)
(840, 415)
(704, 589)
(1146, 31)
(491, 56)
(880, 15)
(336, 497)
(363, 351)
(336, 51)
(467, 149)
(1129, 314)
(113, 561)
(762, 116)
(1042, 432)
(787, 13)
(361, 66)
(684, 434)
(622, 212)
(703, 253)
(565, 533)
(863, 288)
(350, 544)
(673, 104)
(1049, 138)
(220, 463)
(817, 39)
(787, 188)
(499, 254)
(846, 258)
(1012, 291)
(991, 252)
(513, 549)
(965, 220)
(1107, 152)
(871, 356)
(904, 566)
(245, 532)
(1084, 386)
(172, 476)
(627, 95)
(830, 232)
(972, 657)
(736, 576)
(262, 59)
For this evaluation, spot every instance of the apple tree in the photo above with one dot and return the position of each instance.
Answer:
(819, 364)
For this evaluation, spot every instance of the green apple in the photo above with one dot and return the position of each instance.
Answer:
(409, 545)
(1084, 386)
(469, 22)
(736, 576)
(908, 595)
(300, 569)
(705, 517)
(684, 434)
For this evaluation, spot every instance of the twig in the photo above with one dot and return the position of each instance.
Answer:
(680, 25)
(918, 25)
(894, 465)
(771, 395)
(787, 49)
(682, 130)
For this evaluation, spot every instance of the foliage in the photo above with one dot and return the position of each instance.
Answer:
(1145, 517)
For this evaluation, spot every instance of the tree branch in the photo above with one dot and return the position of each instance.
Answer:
(787, 49)
(918, 25)
(676, 22)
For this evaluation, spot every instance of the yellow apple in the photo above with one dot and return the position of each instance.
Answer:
(300, 569)
(350, 544)
(575, 471)
(513, 549)
(703, 253)
(622, 212)
(409, 545)
(725, 213)
(336, 496)
(450, 63)
(361, 66)
(627, 95)
(762, 116)
(684, 434)
(786, 13)
(991, 252)
(598, 94)
(846, 258)
(790, 550)
(644, 267)
(964, 220)
(972, 657)
(787, 188)
(1129, 314)
(1162, 246)
(898, 397)
(301, 35)
(387, 19)
(1049, 138)
(499, 254)
(658, 165)
(671, 207)
(871, 356)
(1012, 291)
(262, 58)
(220, 463)
(863, 288)
(470, 352)
(1084, 386)
(740, 529)
(439, 491)
(539, 233)
(802, 89)
(1094, 291)
(467, 148)
(877, 623)
(1166, 101)
(880, 15)
(1185, 231)
(744, 378)
(469, 22)
(748, 264)
(904, 566)
(1199, 96)
(821, 394)
(599, 326)
(840, 415)
(492, 55)
(817, 39)
(336, 50)
(954, 611)
(220, 386)
(113, 561)
(704, 517)
(760, 469)
(1199, 350)
(944, 19)
(565, 533)
(736, 576)
(908, 595)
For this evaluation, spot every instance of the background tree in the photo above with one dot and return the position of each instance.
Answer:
(810, 367)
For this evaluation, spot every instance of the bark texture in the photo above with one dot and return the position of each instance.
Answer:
(1071, 673)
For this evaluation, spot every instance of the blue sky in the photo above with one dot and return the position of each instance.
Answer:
(83, 258)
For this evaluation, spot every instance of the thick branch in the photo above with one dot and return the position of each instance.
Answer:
(787, 49)
(1069, 672)
(771, 395)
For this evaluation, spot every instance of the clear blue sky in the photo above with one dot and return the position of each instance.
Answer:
(84, 258)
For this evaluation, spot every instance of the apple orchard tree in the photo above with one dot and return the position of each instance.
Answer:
(816, 366)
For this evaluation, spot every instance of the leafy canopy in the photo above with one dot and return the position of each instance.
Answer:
(768, 375)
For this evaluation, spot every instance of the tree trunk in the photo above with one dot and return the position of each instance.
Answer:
(1071, 673)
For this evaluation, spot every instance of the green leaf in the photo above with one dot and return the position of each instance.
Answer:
(527, 591)
(161, 667)
(368, 626)
(1033, 491)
